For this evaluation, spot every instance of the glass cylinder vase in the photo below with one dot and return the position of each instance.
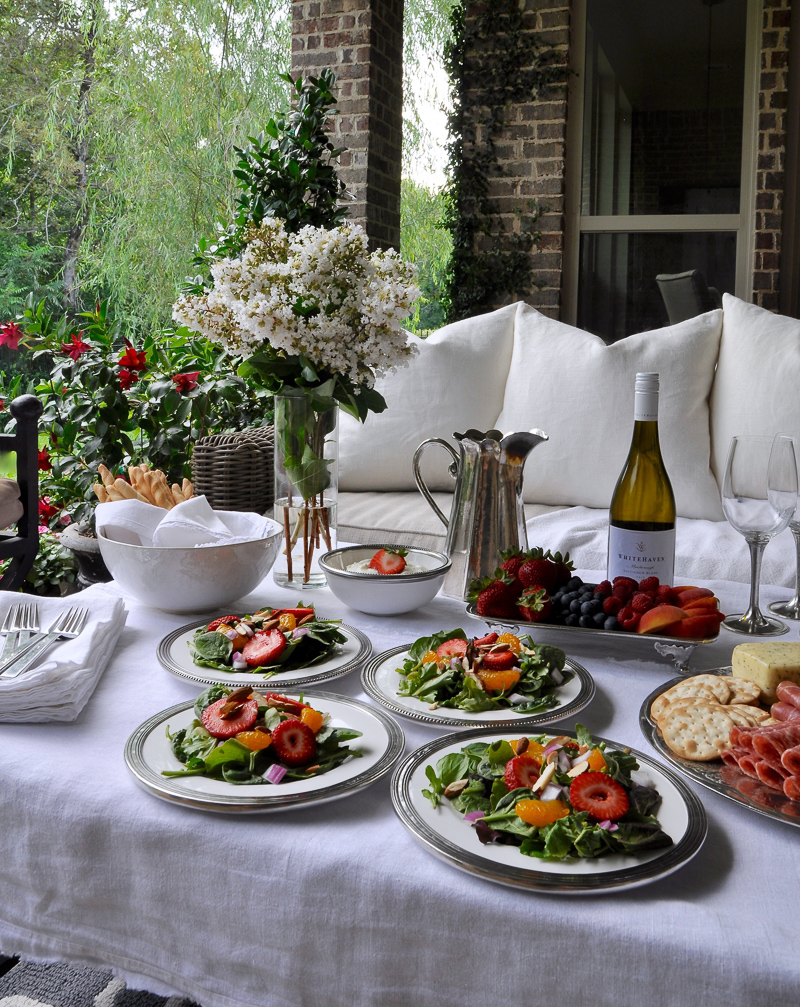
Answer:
(306, 488)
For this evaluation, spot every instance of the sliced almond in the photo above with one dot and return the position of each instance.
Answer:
(545, 778)
(581, 767)
(454, 789)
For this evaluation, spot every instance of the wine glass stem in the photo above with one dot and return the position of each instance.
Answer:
(795, 529)
(756, 545)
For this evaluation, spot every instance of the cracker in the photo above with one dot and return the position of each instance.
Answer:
(743, 691)
(740, 716)
(681, 691)
(716, 683)
(700, 732)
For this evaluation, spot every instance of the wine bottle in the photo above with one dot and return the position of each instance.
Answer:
(641, 519)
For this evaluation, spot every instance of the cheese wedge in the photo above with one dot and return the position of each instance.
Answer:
(767, 664)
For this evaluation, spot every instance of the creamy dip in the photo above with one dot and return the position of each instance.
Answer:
(362, 566)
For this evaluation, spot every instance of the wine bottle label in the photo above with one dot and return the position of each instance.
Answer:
(640, 554)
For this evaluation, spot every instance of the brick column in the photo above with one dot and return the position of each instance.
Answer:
(362, 42)
(773, 96)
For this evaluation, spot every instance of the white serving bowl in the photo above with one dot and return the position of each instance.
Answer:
(384, 594)
(185, 580)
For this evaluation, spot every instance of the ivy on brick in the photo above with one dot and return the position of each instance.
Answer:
(494, 62)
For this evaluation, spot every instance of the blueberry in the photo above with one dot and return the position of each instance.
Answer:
(573, 583)
(611, 623)
(600, 619)
(586, 621)
(575, 606)
(587, 608)
(571, 619)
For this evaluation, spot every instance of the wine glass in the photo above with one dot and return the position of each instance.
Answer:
(759, 496)
(791, 609)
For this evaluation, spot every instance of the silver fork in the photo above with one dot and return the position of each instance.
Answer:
(9, 628)
(67, 627)
(28, 623)
(20, 624)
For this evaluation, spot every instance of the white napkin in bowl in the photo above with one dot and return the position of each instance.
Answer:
(192, 523)
(59, 685)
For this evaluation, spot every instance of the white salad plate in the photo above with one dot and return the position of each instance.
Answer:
(381, 680)
(728, 781)
(174, 654)
(444, 833)
(148, 752)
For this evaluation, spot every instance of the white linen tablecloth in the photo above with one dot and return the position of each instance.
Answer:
(336, 905)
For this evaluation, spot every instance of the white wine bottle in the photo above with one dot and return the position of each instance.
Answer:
(641, 519)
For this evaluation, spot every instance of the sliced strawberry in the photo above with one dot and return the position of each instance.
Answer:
(294, 742)
(389, 561)
(227, 726)
(264, 648)
(499, 660)
(284, 703)
(534, 603)
(486, 641)
(597, 793)
(225, 620)
(522, 771)
(452, 648)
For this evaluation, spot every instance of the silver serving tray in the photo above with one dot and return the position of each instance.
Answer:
(146, 753)
(680, 651)
(440, 835)
(715, 775)
(376, 686)
(174, 654)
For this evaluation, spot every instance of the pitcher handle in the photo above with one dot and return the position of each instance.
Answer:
(453, 469)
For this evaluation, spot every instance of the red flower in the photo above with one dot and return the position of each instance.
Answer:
(45, 465)
(47, 511)
(127, 378)
(10, 335)
(133, 360)
(75, 348)
(186, 382)
(2, 405)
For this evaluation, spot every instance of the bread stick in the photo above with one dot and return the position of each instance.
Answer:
(105, 475)
(100, 492)
(177, 494)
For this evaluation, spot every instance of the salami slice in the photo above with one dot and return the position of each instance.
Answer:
(774, 739)
(784, 711)
(769, 775)
(791, 760)
(788, 692)
(791, 787)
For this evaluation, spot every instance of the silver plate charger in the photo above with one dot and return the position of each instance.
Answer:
(680, 651)
(380, 680)
(444, 833)
(174, 654)
(725, 780)
(148, 752)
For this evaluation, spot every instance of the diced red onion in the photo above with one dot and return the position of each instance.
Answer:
(231, 634)
(608, 825)
(275, 773)
(298, 632)
(455, 662)
(552, 792)
(552, 747)
(238, 661)
(473, 816)
(564, 761)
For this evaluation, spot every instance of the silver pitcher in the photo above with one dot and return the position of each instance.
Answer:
(487, 513)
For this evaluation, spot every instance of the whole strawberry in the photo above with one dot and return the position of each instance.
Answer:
(565, 568)
(539, 569)
(512, 561)
(534, 603)
(494, 595)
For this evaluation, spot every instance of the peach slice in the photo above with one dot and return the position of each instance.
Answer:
(700, 605)
(692, 594)
(661, 619)
(697, 627)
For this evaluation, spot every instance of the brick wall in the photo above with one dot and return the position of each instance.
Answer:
(362, 42)
(771, 151)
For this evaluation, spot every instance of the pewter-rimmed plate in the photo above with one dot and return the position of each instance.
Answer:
(380, 679)
(679, 651)
(444, 833)
(174, 654)
(148, 752)
(716, 776)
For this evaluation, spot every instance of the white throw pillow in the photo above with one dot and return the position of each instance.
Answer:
(456, 382)
(757, 387)
(580, 391)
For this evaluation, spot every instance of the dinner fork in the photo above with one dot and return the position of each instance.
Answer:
(20, 622)
(9, 629)
(66, 627)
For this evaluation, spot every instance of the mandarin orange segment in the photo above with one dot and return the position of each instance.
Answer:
(254, 740)
(430, 657)
(313, 718)
(596, 761)
(287, 622)
(513, 642)
(498, 681)
(540, 813)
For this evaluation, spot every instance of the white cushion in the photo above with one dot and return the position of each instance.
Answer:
(580, 391)
(757, 387)
(456, 382)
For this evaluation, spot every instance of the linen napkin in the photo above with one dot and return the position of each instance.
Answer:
(59, 685)
(189, 524)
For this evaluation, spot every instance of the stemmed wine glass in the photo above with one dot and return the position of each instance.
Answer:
(759, 496)
(791, 609)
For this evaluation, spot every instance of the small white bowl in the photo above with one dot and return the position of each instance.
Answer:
(384, 594)
(185, 580)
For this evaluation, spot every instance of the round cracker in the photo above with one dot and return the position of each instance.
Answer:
(699, 732)
(684, 690)
(740, 717)
(743, 691)
(716, 683)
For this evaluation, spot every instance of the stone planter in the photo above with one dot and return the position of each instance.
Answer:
(82, 542)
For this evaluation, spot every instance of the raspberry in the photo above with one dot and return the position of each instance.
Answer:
(612, 605)
(642, 602)
(627, 618)
(622, 591)
(603, 588)
(665, 595)
(597, 793)
(632, 584)
(649, 584)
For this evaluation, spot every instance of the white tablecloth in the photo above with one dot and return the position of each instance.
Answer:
(337, 906)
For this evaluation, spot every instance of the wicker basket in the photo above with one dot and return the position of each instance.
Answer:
(235, 471)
